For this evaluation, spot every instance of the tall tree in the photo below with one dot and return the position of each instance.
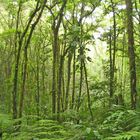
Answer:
(57, 19)
(17, 57)
(112, 52)
(131, 52)
(42, 6)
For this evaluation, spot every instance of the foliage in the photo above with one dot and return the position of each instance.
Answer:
(65, 70)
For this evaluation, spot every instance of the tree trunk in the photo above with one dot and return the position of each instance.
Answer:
(131, 52)
(17, 57)
(23, 84)
(111, 68)
(59, 86)
(73, 84)
(114, 38)
(68, 80)
(54, 74)
(87, 87)
(112, 53)
(80, 86)
(38, 86)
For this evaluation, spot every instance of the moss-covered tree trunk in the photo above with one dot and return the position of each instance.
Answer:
(131, 52)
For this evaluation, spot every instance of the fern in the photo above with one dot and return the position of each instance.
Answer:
(42, 129)
(130, 135)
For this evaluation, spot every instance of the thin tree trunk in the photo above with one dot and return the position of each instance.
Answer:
(73, 84)
(63, 88)
(54, 74)
(43, 78)
(114, 38)
(59, 86)
(38, 86)
(68, 80)
(80, 86)
(23, 84)
(17, 57)
(88, 95)
(112, 53)
(111, 67)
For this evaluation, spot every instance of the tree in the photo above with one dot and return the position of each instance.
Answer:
(131, 52)
(55, 45)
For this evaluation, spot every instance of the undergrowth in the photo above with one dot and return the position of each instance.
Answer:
(117, 123)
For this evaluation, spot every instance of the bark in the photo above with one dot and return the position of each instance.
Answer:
(73, 84)
(54, 73)
(14, 92)
(131, 52)
(68, 80)
(114, 36)
(38, 86)
(63, 88)
(59, 86)
(111, 67)
(88, 94)
(80, 86)
(43, 78)
(73, 67)
(112, 53)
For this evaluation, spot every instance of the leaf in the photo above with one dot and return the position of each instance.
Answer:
(88, 130)
(89, 59)
(7, 33)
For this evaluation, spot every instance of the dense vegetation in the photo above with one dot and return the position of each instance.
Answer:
(69, 69)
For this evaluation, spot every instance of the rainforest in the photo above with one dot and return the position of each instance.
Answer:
(69, 69)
